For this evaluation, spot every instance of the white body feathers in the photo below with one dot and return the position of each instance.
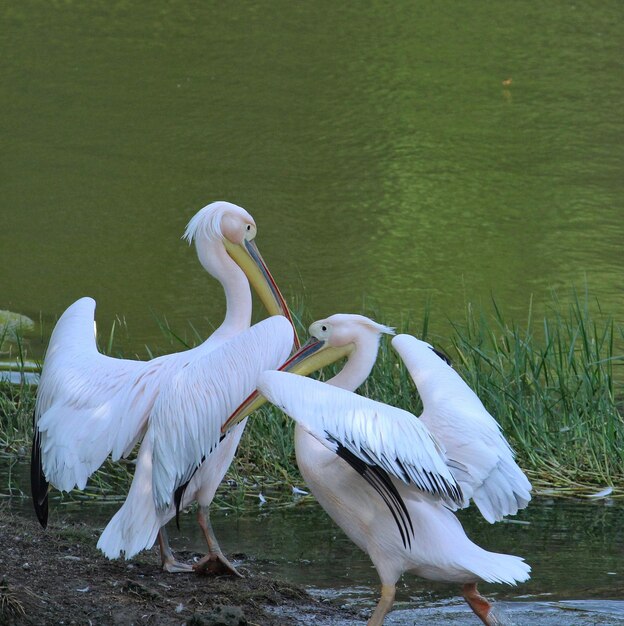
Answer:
(440, 549)
(90, 405)
(175, 450)
(359, 458)
(374, 432)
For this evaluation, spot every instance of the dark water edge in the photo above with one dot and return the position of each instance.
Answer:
(575, 548)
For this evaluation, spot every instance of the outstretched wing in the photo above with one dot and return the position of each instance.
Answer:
(377, 434)
(88, 404)
(185, 424)
(481, 459)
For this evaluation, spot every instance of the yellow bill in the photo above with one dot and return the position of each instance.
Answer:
(312, 356)
(249, 259)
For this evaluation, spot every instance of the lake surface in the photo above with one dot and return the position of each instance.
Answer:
(391, 155)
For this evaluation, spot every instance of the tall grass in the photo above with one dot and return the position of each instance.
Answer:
(554, 383)
(16, 407)
(17, 401)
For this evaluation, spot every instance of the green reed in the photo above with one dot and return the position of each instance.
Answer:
(554, 383)
(17, 401)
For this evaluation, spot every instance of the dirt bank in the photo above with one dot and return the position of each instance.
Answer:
(57, 576)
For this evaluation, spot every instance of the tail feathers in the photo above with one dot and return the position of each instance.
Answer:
(504, 492)
(499, 568)
(135, 526)
(38, 483)
(129, 532)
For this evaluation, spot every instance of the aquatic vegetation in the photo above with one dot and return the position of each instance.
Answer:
(555, 383)
(553, 386)
(552, 383)
(17, 403)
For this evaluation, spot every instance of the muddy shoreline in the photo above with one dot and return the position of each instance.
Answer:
(57, 576)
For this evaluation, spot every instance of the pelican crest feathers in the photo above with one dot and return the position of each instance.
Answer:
(207, 221)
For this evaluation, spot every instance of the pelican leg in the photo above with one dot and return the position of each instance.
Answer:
(214, 563)
(169, 563)
(383, 606)
(481, 607)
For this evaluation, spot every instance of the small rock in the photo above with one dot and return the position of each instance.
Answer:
(26, 566)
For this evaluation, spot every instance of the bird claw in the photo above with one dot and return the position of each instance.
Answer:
(215, 564)
(176, 567)
(481, 607)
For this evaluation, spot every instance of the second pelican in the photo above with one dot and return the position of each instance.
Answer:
(380, 473)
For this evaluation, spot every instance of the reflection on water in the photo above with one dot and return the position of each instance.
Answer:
(377, 146)
(575, 549)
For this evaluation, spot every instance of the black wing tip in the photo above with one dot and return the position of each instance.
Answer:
(458, 494)
(41, 511)
(177, 499)
(38, 483)
(433, 483)
(445, 357)
(381, 482)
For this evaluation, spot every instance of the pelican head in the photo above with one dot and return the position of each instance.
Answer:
(334, 338)
(347, 329)
(331, 339)
(225, 229)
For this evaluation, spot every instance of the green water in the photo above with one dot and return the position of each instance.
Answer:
(376, 145)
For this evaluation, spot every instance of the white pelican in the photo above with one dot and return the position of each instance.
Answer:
(400, 513)
(90, 405)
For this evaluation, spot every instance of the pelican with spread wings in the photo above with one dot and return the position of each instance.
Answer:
(90, 406)
(389, 479)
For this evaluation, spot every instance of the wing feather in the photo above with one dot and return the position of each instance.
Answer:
(482, 460)
(186, 420)
(377, 434)
(74, 412)
(90, 405)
